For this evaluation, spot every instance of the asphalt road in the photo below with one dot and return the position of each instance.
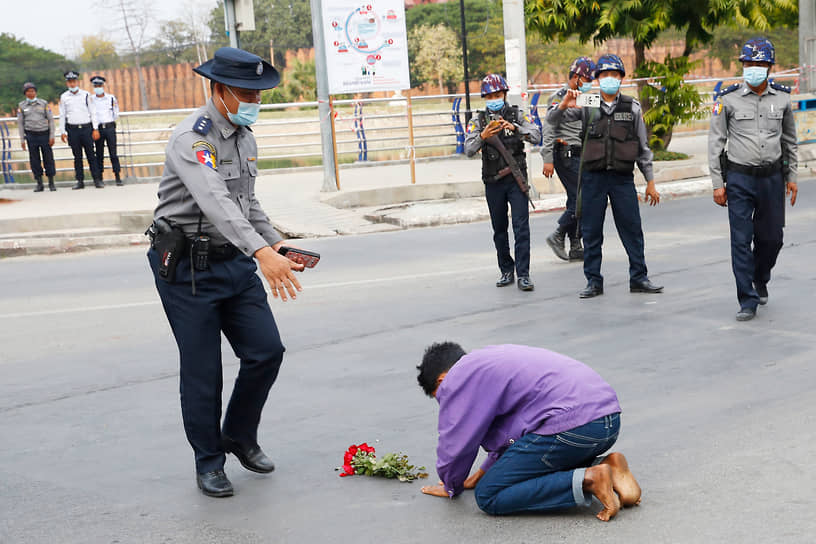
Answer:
(719, 417)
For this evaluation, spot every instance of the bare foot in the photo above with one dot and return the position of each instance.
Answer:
(598, 481)
(623, 481)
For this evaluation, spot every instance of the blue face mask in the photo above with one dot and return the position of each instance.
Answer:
(99, 91)
(495, 104)
(586, 87)
(247, 111)
(31, 100)
(609, 85)
(754, 75)
(74, 89)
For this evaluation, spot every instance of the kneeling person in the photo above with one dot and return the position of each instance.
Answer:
(542, 417)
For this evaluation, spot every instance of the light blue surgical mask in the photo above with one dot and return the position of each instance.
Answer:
(31, 100)
(99, 91)
(74, 89)
(609, 85)
(247, 111)
(754, 75)
(495, 105)
(586, 87)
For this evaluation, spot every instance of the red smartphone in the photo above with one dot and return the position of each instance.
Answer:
(301, 256)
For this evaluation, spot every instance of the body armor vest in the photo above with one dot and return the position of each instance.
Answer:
(611, 141)
(492, 161)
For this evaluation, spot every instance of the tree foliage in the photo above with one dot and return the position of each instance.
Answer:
(298, 84)
(287, 23)
(21, 62)
(98, 53)
(435, 55)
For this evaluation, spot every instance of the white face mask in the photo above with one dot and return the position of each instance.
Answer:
(74, 89)
(99, 91)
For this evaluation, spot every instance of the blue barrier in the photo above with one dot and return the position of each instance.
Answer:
(359, 129)
(534, 112)
(8, 173)
(457, 126)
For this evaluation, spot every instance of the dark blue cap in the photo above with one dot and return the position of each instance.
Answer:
(70, 74)
(98, 80)
(239, 68)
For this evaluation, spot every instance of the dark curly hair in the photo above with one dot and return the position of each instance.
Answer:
(438, 359)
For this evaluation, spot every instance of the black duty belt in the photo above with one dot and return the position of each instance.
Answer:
(575, 149)
(756, 171)
(106, 125)
(37, 132)
(222, 252)
(84, 125)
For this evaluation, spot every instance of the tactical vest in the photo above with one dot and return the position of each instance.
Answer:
(611, 140)
(492, 161)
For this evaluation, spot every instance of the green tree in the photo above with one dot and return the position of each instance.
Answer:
(21, 62)
(288, 24)
(98, 53)
(299, 84)
(435, 55)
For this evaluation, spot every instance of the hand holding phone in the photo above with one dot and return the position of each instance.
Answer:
(301, 256)
(585, 100)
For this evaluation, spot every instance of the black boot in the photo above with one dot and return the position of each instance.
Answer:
(556, 242)
(78, 185)
(576, 252)
(51, 186)
(118, 179)
(39, 187)
(99, 184)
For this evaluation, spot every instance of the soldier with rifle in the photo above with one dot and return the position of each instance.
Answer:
(500, 132)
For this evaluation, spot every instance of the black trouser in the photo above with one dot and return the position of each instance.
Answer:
(80, 138)
(107, 133)
(756, 215)
(498, 195)
(37, 143)
(566, 164)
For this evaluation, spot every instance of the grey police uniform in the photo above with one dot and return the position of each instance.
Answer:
(561, 147)
(611, 181)
(505, 190)
(758, 132)
(212, 170)
(35, 124)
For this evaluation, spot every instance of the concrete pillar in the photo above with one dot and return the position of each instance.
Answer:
(515, 50)
(807, 45)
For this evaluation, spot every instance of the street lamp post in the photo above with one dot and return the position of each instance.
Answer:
(468, 114)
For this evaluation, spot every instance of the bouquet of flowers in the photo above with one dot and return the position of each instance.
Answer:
(361, 459)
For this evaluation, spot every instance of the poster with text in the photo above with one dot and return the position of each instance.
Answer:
(366, 46)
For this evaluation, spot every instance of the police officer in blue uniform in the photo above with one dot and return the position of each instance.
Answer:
(615, 142)
(501, 187)
(753, 161)
(561, 152)
(208, 227)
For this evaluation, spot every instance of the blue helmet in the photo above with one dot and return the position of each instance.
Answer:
(758, 50)
(609, 62)
(492, 83)
(583, 66)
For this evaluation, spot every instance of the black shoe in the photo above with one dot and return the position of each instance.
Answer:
(51, 186)
(762, 291)
(214, 484)
(644, 286)
(556, 243)
(505, 280)
(591, 290)
(576, 252)
(39, 188)
(251, 457)
(99, 184)
(525, 284)
(746, 314)
(78, 185)
(119, 182)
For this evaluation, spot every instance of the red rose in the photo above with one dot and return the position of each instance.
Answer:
(352, 449)
(348, 470)
(348, 458)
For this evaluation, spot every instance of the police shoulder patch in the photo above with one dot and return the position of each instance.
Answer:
(730, 89)
(780, 87)
(718, 108)
(472, 125)
(561, 92)
(205, 153)
(202, 125)
(527, 118)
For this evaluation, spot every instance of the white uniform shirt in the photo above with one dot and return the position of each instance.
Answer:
(106, 108)
(75, 109)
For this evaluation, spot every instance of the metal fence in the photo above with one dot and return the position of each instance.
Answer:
(288, 135)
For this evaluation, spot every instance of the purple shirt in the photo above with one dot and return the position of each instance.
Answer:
(494, 395)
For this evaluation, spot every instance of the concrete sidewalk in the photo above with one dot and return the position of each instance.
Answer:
(374, 197)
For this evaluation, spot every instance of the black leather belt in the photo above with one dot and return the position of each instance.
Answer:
(37, 132)
(223, 252)
(106, 125)
(756, 171)
(567, 150)
(69, 125)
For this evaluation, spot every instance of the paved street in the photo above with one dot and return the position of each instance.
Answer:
(719, 418)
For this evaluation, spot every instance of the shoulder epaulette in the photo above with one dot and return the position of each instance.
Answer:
(730, 89)
(202, 125)
(561, 92)
(780, 87)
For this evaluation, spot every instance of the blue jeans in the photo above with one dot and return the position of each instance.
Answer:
(540, 473)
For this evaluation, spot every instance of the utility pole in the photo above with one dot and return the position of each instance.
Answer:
(807, 46)
(323, 108)
(515, 50)
(468, 113)
(229, 21)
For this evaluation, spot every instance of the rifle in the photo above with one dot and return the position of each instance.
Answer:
(512, 165)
